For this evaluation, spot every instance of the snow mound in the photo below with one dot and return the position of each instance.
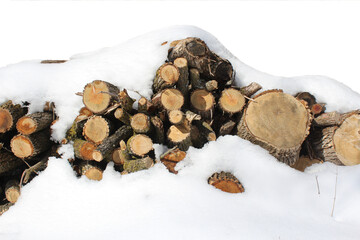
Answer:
(278, 203)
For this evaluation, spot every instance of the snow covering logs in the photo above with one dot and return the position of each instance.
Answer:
(25, 147)
(194, 101)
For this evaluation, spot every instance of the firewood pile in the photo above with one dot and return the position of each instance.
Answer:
(25, 147)
(194, 101)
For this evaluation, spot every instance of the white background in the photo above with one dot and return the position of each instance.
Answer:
(280, 38)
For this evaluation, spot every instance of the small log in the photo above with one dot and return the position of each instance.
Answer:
(126, 102)
(171, 158)
(159, 130)
(318, 108)
(307, 97)
(231, 101)
(99, 95)
(53, 61)
(86, 112)
(8, 161)
(5, 207)
(183, 83)
(122, 115)
(195, 80)
(90, 170)
(119, 156)
(83, 149)
(166, 77)
(138, 164)
(227, 128)
(283, 129)
(338, 144)
(97, 129)
(226, 182)
(145, 106)
(169, 99)
(139, 145)
(9, 115)
(201, 133)
(12, 191)
(251, 89)
(332, 118)
(179, 136)
(199, 56)
(176, 117)
(34, 122)
(104, 150)
(202, 103)
(211, 85)
(140, 123)
(29, 146)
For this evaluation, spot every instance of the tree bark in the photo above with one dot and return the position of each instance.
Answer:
(34, 122)
(159, 130)
(126, 102)
(166, 77)
(179, 136)
(277, 122)
(227, 128)
(8, 161)
(138, 164)
(104, 150)
(12, 191)
(183, 83)
(226, 182)
(5, 207)
(122, 115)
(83, 149)
(251, 89)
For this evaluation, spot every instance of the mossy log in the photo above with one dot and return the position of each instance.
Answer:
(12, 191)
(138, 164)
(199, 56)
(8, 161)
(277, 122)
(166, 77)
(339, 144)
(226, 182)
(34, 122)
(104, 150)
(171, 157)
(99, 95)
(83, 149)
(74, 132)
(9, 115)
(29, 146)
(97, 129)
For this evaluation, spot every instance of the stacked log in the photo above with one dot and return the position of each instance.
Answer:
(25, 147)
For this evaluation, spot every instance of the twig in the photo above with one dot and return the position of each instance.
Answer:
(332, 211)
(317, 184)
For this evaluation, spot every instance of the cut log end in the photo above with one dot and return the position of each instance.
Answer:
(180, 62)
(6, 120)
(12, 191)
(140, 123)
(97, 156)
(169, 73)
(226, 182)
(176, 116)
(97, 96)
(96, 129)
(172, 99)
(347, 140)
(140, 145)
(83, 149)
(202, 100)
(94, 173)
(231, 100)
(21, 146)
(26, 125)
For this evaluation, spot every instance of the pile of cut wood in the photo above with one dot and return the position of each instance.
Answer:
(195, 101)
(25, 146)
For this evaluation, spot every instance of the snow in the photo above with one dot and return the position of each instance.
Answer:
(278, 203)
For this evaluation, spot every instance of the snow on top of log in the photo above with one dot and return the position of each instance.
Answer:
(132, 65)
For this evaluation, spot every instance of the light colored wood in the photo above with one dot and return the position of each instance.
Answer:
(99, 95)
(179, 136)
(171, 157)
(226, 182)
(140, 123)
(90, 171)
(171, 99)
(211, 85)
(83, 149)
(126, 102)
(166, 77)
(9, 114)
(122, 115)
(139, 145)
(231, 101)
(251, 89)
(176, 117)
(96, 129)
(277, 122)
(12, 191)
(29, 146)
(202, 103)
